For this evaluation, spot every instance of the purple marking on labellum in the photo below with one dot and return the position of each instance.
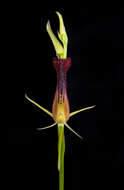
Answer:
(61, 66)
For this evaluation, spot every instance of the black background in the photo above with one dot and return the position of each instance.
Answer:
(96, 41)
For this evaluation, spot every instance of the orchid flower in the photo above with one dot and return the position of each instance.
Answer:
(60, 109)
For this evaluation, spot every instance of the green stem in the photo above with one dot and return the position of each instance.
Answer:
(61, 152)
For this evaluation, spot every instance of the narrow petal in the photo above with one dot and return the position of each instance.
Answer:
(39, 129)
(36, 104)
(73, 131)
(78, 111)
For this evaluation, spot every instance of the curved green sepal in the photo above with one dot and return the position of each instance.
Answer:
(57, 45)
(61, 49)
(62, 32)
